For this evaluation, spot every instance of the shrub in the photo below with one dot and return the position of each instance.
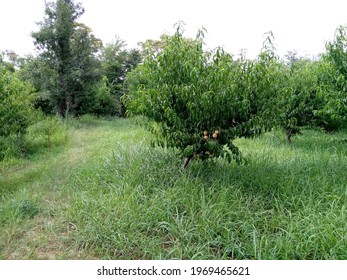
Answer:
(16, 113)
(16, 104)
(48, 131)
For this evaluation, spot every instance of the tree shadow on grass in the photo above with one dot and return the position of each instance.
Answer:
(311, 141)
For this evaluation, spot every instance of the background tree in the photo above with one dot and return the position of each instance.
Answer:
(6, 64)
(117, 61)
(299, 96)
(85, 69)
(291, 57)
(155, 46)
(68, 50)
(333, 80)
(42, 77)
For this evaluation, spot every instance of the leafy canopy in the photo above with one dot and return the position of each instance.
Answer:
(68, 52)
(201, 100)
(334, 76)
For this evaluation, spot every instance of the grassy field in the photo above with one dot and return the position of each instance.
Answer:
(105, 193)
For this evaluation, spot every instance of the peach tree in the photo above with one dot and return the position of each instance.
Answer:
(299, 95)
(199, 101)
(334, 81)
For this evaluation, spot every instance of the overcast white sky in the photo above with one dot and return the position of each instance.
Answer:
(304, 25)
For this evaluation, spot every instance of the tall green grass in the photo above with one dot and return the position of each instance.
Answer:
(111, 195)
(289, 202)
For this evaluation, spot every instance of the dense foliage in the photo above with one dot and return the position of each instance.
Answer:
(55, 41)
(73, 73)
(334, 76)
(117, 62)
(15, 104)
(69, 67)
(16, 110)
(202, 100)
(299, 99)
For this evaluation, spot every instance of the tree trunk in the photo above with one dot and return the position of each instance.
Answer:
(289, 135)
(186, 161)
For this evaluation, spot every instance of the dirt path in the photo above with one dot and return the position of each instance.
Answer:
(49, 235)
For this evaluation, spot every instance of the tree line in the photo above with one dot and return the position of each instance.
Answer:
(200, 100)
